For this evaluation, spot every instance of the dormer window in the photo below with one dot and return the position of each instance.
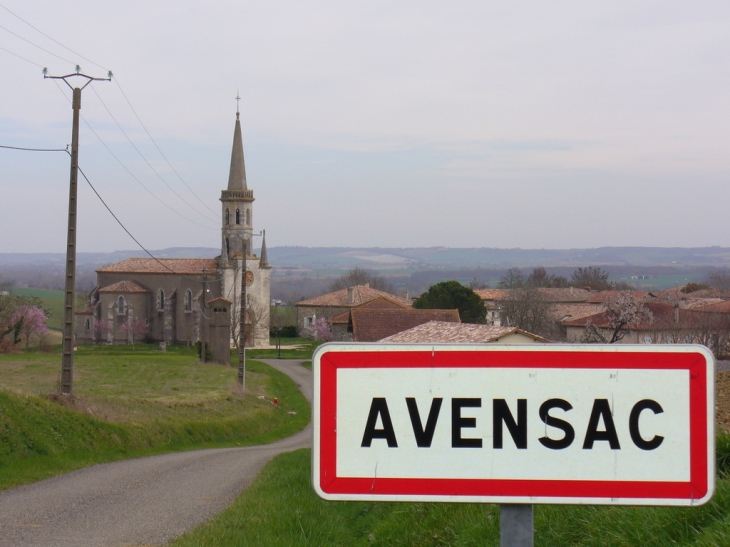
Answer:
(238, 216)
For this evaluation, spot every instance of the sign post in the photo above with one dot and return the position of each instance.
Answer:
(514, 425)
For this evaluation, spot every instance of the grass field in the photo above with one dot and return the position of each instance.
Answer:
(52, 303)
(129, 403)
(281, 509)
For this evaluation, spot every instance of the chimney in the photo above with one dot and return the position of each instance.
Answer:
(351, 295)
(366, 284)
(404, 294)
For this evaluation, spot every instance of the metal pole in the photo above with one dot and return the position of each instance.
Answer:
(278, 342)
(242, 322)
(67, 362)
(516, 527)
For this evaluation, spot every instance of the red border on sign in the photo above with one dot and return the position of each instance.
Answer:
(695, 363)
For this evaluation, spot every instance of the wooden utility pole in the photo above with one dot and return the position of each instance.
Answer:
(242, 322)
(67, 361)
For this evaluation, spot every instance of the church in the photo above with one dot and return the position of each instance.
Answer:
(185, 300)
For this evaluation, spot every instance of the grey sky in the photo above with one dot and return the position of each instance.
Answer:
(520, 124)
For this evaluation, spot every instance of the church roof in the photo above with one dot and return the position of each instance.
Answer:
(237, 175)
(124, 287)
(179, 266)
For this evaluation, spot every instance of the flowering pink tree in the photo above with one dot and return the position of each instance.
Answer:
(101, 330)
(32, 320)
(621, 314)
(136, 328)
(321, 330)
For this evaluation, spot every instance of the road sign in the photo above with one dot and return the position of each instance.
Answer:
(569, 424)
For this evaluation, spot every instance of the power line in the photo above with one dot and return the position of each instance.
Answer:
(36, 45)
(36, 149)
(130, 233)
(132, 174)
(116, 80)
(145, 159)
(51, 39)
(125, 98)
(23, 58)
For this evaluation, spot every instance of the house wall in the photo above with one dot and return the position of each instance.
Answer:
(306, 315)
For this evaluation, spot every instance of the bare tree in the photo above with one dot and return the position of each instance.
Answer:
(513, 279)
(719, 278)
(528, 309)
(593, 277)
(622, 313)
(361, 276)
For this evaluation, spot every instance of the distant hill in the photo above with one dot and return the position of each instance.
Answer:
(414, 258)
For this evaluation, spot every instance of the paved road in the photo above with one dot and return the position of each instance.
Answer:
(146, 501)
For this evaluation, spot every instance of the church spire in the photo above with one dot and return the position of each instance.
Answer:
(264, 262)
(237, 175)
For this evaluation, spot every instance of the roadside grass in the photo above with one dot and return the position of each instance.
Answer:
(132, 403)
(281, 509)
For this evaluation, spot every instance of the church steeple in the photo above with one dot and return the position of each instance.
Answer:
(237, 175)
(264, 262)
(237, 201)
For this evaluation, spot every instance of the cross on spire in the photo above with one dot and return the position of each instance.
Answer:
(238, 98)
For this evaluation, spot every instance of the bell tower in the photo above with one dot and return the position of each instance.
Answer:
(237, 201)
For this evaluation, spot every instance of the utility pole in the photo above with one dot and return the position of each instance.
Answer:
(242, 322)
(67, 362)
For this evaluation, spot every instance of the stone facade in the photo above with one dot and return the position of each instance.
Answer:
(176, 297)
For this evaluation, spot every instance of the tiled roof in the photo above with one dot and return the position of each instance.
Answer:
(124, 287)
(567, 312)
(219, 299)
(438, 332)
(722, 306)
(342, 319)
(567, 294)
(491, 294)
(361, 295)
(663, 316)
(184, 266)
(370, 325)
(606, 296)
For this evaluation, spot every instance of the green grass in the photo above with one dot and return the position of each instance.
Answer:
(52, 302)
(281, 509)
(304, 350)
(131, 403)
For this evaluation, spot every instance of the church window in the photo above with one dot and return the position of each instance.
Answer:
(160, 300)
(121, 306)
(188, 300)
(248, 217)
(228, 247)
(228, 217)
(238, 216)
(87, 324)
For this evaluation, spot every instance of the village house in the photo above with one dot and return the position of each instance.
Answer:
(370, 324)
(440, 332)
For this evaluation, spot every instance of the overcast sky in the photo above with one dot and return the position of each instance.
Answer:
(394, 124)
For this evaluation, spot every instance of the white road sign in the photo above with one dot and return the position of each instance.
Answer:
(570, 424)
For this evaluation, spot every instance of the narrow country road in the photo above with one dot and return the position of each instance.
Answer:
(146, 501)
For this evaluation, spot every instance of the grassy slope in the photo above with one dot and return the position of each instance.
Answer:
(281, 509)
(131, 403)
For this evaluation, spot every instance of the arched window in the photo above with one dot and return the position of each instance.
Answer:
(121, 306)
(228, 247)
(248, 217)
(160, 300)
(238, 216)
(188, 300)
(87, 323)
(228, 217)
